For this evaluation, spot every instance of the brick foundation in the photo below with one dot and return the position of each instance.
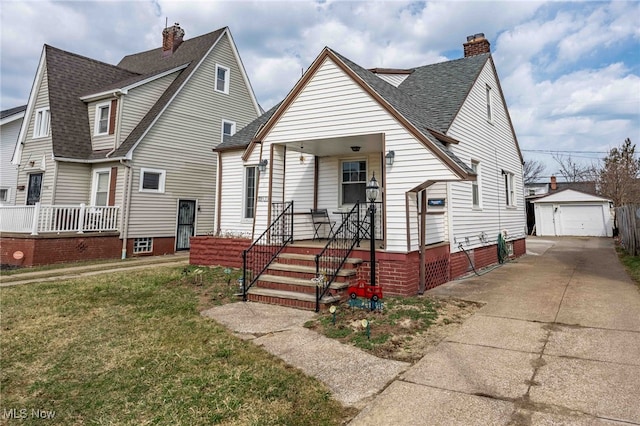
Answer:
(211, 251)
(58, 248)
(161, 246)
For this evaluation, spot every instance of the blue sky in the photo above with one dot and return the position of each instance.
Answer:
(570, 71)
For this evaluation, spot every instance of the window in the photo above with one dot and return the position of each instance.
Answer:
(222, 79)
(532, 192)
(475, 185)
(102, 119)
(152, 180)
(100, 193)
(489, 104)
(143, 245)
(228, 128)
(42, 125)
(4, 195)
(509, 190)
(354, 181)
(250, 175)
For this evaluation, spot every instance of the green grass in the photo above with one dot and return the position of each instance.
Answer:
(631, 264)
(132, 348)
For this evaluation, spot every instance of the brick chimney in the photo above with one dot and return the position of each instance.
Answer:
(476, 44)
(171, 39)
(554, 183)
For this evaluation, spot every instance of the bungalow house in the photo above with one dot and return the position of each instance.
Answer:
(117, 160)
(293, 183)
(10, 122)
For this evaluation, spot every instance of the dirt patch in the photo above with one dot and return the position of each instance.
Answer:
(405, 329)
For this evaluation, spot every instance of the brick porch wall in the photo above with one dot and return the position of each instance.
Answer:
(209, 251)
(46, 250)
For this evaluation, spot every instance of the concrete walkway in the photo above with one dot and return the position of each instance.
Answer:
(558, 342)
(69, 272)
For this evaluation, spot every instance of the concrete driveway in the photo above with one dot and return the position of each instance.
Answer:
(558, 342)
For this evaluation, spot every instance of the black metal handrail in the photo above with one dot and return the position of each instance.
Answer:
(264, 250)
(335, 253)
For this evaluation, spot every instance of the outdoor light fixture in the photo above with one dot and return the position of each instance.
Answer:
(390, 157)
(355, 148)
(372, 189)
(262, 165)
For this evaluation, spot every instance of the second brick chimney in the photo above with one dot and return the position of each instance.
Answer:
(476, 44)
(554, 183)
(171, 39)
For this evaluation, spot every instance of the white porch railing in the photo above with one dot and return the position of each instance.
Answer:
(55, 219)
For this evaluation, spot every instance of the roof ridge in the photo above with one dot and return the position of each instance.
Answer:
(450, 61)
(96, 61)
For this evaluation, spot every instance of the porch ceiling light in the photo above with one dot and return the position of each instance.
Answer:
(390, 157)
(262, 165)
(355, 148)
(372, 189)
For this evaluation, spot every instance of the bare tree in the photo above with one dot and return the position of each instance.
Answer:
(619, 179)
(574, 172)
(533, 170)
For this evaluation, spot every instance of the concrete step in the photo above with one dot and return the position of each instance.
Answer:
(289, 298)
(311, 258)
(306, 286)
(301, 271)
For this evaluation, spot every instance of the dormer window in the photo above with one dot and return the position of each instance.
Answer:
(102, 118)
(222, 79)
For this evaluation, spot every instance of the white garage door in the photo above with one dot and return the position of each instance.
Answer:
(581, 220)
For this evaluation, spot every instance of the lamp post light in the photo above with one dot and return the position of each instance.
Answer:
(372, 191)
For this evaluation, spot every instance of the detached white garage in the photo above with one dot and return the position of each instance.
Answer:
(573, 213)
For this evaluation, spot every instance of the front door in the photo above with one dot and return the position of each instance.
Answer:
(186, 221)
(35, 186)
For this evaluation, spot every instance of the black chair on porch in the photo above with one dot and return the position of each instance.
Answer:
(320, 218)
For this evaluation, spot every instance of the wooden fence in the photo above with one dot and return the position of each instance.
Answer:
(628, 220)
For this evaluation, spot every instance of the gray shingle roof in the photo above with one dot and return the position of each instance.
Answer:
(439, 90)
(242, 138)
(72, 76)
(12, 111)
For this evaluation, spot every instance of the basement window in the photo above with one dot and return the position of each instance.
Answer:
(143, 245)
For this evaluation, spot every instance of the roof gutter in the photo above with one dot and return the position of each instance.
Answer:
(96, 161)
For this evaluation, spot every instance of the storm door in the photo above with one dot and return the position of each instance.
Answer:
(35, 186)
(186, 222)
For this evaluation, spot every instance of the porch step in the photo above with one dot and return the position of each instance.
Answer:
(289, 298)
(312, 258)
(300, 271)
(293, 284)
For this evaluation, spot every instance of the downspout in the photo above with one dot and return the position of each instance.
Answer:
(126, 197)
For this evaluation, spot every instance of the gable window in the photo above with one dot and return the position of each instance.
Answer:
(228, 128)
(250, 180)
(509, 189)
(222, 79)
(152, 180)
(42, 124)
(353, 181)
(475, 185)
(100, 193)
(489, 104)
(102, 119)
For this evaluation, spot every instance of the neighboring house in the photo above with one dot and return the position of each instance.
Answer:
(573, 213)
(438, 139)
(10, 122)
(133, 141)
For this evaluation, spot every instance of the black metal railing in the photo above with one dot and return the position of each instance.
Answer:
(257, 258)
(335, 253)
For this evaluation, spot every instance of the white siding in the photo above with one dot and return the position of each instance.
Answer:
(333, 105)
(99, 142)
(39, 151)
(138, 101)
(181, 143)
(9, 172)
(493, 145)
(232, 195)
(395, 79)
(73, 184)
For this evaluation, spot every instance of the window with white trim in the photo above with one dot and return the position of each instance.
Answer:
(100, 191)
(152, 180)
(510, 194)
(42, 124)
(143, 245)
(4, 195)
(489, 103)
(475, 185)
(353, 181)
(101, 124)
(228, 128)
(250, 187)
(222, 79)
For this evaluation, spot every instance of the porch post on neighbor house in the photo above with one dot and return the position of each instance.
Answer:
(36, 219)
(422, 240)
(81, 219)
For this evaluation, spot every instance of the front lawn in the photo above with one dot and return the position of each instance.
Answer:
(132, 348)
